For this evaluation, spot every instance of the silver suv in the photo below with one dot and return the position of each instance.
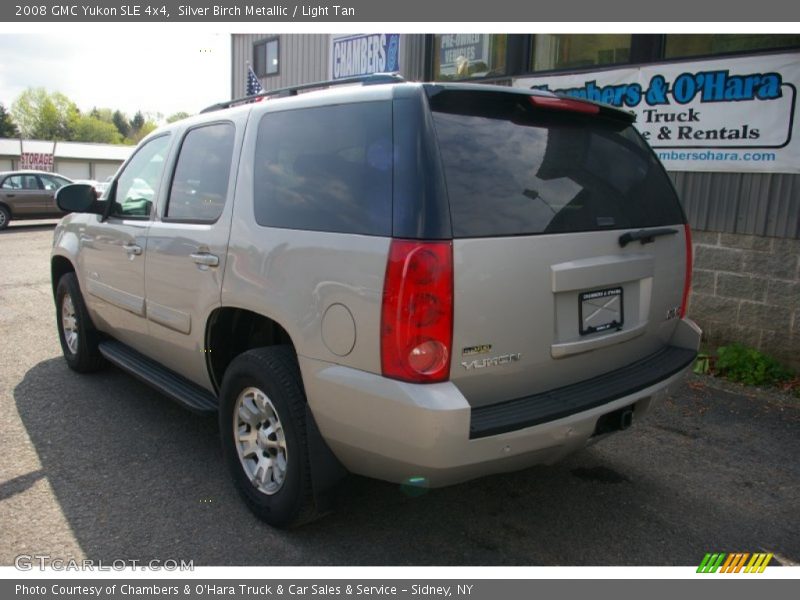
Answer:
(420, 283)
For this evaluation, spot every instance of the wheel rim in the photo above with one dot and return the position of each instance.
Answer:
(69, 323)
(2, 218)
(260, 440)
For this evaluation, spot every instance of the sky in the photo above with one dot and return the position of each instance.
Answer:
(165, 71)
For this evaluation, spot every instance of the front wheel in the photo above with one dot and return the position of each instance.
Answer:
(75, 329)
(263, 430)
(5, 217)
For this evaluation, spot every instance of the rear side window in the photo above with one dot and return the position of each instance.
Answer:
(326, 169)
(200, 183)
(515, 170)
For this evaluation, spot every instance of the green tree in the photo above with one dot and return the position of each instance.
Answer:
(178, 116)
(137, 122)
(7, 127)
(87, 128)
(136, 136)
(121, 123)
(41, 115)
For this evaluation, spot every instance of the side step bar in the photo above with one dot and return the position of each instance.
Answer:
(172, 385)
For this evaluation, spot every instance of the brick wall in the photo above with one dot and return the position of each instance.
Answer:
(747, 289)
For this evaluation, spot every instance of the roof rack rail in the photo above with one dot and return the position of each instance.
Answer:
(372, 79)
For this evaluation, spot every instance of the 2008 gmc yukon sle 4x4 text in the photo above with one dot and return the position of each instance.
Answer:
(413, 282)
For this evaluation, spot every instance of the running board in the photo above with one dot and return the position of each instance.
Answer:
(172, 385)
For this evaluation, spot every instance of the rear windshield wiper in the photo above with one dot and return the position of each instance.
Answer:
(645, 236)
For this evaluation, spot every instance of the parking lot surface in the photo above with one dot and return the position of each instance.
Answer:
(102, 467)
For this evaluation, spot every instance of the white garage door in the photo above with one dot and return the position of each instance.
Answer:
(73, 169)
(103, 170)
(5, 164)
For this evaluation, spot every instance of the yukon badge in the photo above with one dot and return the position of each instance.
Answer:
(494, 361)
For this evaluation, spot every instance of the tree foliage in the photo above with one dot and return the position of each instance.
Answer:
(44, 116)
(39, 114)
(178, 116)
(7, 127)
(91, 129)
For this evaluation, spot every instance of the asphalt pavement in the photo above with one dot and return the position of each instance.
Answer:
(102, 467)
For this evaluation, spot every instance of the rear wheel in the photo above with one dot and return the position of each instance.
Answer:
(5, 217)
(263, 430)
(75, 329)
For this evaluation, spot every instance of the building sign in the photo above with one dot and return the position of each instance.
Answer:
(735, 114)
(458, 51)
(354, 55)
(39, 161)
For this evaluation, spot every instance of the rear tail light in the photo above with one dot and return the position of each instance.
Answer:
(687, 280)
(568, 104)
(417, 311)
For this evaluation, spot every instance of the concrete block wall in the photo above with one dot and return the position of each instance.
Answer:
(747, 289)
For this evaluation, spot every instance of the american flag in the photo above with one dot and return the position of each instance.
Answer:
(253, 84)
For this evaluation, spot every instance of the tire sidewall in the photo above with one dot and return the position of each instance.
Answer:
(283, 506)
(86, 359)
(5, 217)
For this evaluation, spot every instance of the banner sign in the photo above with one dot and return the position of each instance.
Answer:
(39, 161)
(458, 51)
(354, 55)
(727, 115)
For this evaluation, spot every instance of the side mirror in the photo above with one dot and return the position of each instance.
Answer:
(80, 198)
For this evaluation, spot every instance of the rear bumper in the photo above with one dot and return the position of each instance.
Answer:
(398, 431)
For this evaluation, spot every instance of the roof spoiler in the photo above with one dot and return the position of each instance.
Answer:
(372, 79)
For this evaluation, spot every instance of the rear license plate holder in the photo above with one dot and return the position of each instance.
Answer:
(600, 310)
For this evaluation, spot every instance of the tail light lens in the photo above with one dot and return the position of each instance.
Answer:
(687, 280)
(417, 311)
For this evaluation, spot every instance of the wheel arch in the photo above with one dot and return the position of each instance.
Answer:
(231, 330)
(59, 266)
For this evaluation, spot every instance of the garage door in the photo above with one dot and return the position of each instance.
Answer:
(73, 169)
(5, 165)
(103, 170)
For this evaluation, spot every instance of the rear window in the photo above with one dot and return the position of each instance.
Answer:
(515, 170)
(326, 169)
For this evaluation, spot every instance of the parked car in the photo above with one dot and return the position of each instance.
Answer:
(421, 283)
(29, 195)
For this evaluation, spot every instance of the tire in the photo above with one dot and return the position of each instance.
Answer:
(263, 388)
(5, 217)
(76, 332)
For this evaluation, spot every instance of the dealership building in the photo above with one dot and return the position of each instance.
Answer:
(720, 111)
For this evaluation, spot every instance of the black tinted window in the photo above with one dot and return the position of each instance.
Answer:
(514, 170)
(200, 183)
(326, 169)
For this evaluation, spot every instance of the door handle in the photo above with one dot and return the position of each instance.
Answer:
(11, 195)
(205, 259)
(133, 249)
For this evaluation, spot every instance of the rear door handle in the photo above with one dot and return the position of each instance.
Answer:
(133, 249)
(205, 259)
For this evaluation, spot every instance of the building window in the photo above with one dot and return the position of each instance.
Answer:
(266, 57)
(577, 51)
(681, 46)
(466, 56)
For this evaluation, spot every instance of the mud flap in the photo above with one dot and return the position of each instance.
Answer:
(326, 470)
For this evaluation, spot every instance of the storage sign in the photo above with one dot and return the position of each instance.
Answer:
(735, 115)
(39, 161)
(355, 55)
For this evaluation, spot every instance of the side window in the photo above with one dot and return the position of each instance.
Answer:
(21, 182)
(200, 182)
(137, 185)
(51, 183)
(326, 169)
